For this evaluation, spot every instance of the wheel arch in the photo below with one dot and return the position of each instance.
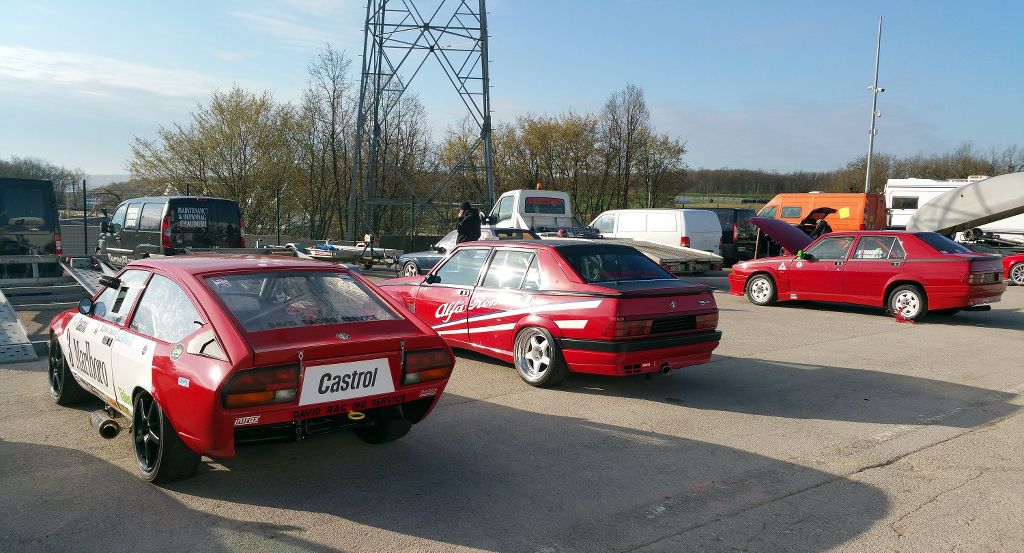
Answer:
(539, 321)
(892, 285)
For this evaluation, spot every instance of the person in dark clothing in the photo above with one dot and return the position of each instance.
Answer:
(821, 227)
(468, 226)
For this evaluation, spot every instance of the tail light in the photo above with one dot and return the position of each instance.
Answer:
(58, 246)
(684, 241)
(165, 232)
(262, 387)
(983, 278)
(426, 365)
(241, 232)
(707, 321)
(735, 232)
(620, 328)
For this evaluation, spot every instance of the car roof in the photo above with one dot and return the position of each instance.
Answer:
(559, 243)
(212, 263)
(154, 199)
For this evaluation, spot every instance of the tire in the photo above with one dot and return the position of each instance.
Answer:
(166, 460)
(537, 358)
(761, 290)
(64, 389)
(909, 300)
(1017, 273)
(389, 424)
(410, 269)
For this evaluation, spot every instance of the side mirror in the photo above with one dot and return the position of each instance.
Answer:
(491, 220)
(85, 306)
(104, 227)
(110, 282)
(431, 279)
(438, 249)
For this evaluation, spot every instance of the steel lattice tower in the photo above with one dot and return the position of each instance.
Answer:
(398, 42)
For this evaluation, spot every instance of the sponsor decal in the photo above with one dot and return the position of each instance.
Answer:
(799, 264)
(82, 359)
(183, 382)
(191, 218)
(428, 393)
(782, 266)
(125, 338)
(792, 296)
(338, 381)
(703, 302)
(177, 351)
(573, 324)
(245, 421)
(446, 310)
(82, 325)
(221, 282)
(123, 397)
(343, 336)
(566, 306)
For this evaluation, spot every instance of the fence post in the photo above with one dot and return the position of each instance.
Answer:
(278, 209)
(85, 222)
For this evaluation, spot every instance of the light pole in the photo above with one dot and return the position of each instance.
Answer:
(874, 110)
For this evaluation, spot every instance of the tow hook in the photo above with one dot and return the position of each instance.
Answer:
(356, 415)
(106, 425)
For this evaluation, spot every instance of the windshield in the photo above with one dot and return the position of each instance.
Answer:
(267, 301)
(941, 243)
(612, 264)
(25, 208)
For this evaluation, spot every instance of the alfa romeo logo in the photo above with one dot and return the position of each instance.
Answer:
(343, 335)
(672, 305)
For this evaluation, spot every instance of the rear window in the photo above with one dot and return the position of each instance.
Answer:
(941, 243)
(725, 218)
(268, 301)
(205, 223)
(612, 264)
(550, 206)
(25, 208)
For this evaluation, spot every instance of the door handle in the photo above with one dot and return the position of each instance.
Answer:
(896, 263)
(463, 292)
(838, 263)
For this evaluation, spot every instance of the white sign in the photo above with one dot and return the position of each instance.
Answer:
(339, 381)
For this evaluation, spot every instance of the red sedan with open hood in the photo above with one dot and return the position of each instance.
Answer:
(557, 306)
(910, 273)
(205, 353)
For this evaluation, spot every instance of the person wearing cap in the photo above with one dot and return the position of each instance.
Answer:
(468, 227)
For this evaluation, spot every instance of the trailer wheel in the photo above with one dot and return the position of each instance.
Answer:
(761, 290)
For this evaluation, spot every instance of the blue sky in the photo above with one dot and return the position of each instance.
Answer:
(777, 86)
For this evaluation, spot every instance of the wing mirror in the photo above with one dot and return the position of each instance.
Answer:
(431, 279)
(110, 282)
(438, 249)
(104, 227)
(800, 254)
(85, 306)
(491, 220)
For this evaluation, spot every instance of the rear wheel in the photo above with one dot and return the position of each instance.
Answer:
(1017, 274)
(761, 290)
(64, 389)
(162, 456)
(538, 358)
(410, 269)
(909, 301)
(389, 424)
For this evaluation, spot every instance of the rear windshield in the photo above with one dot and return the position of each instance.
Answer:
(205, 223)
(941, 243)
(550, 206)
(26, 208)
(268, 301)
(612, 264)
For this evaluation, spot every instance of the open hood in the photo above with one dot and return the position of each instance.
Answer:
(788, 236)
(971, 205)
(817, 213)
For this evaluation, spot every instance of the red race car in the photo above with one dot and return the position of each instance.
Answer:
(910, 273)
(557, 306)
(1013, 267)
(205, 353)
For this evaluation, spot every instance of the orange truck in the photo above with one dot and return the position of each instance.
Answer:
(852, 211)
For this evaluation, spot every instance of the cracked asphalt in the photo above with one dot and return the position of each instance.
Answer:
(815, 428)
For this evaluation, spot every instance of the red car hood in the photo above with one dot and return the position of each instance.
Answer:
(788, 236)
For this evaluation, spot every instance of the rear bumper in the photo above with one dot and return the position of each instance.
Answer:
(627, 357)
(964, 295)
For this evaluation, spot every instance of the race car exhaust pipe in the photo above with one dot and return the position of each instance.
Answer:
(665, 369)
(107, 426)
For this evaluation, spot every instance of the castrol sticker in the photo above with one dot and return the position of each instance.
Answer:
(339, 381)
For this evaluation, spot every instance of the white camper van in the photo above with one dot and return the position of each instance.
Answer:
(903, 197)
(690, 228)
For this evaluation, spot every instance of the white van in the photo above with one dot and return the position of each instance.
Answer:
(537, 210)
(691, 228)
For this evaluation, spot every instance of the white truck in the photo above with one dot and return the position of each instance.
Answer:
(549, 214)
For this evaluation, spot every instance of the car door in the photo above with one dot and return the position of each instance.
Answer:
(820, 275)
(605, 224)
(112, 240)
(875, 261)
(130, 232)
(498, 302)
(90, 338)
(443, 298)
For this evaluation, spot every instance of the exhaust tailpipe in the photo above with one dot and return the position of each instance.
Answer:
(105, 424)
(665, 369)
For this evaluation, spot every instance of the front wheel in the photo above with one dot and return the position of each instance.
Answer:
(537, 357)
(162, 456)
(64, 389)
(761, 290)
(909, 301)
(410, 269)
(1017, 274)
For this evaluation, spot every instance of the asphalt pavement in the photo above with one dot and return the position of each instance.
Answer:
(814, 428)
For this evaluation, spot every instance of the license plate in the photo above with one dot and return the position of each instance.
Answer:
(741, 248)
(340, 381)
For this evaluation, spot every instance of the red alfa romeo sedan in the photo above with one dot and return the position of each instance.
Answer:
(1014, 267)
(556, 306)
(201, 354)
(910, 273)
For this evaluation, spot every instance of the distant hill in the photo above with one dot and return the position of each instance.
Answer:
(96, 181)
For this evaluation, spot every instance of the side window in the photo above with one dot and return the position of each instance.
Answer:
(791, 212)
(874, 247)
(117, 219)
(131, 219)
(897, 250)
(632, 222)
(113, 305)
(661, 222)
(532, 280)
(507, 269)
(150, 217)
(904, 203)
(165, 312)
(768, 211)
(605, 223)
(462, 268)
(504, 209)
(835, 247)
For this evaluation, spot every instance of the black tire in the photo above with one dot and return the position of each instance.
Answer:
(1017, 273)
(64, 389)
(410, 269)
(761, 290)
(538, 358)
(161, 454)
(389, 424)
(909, 300)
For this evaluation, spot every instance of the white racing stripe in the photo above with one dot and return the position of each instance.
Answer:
(508, 326)
(572, 324)
(588, 304)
